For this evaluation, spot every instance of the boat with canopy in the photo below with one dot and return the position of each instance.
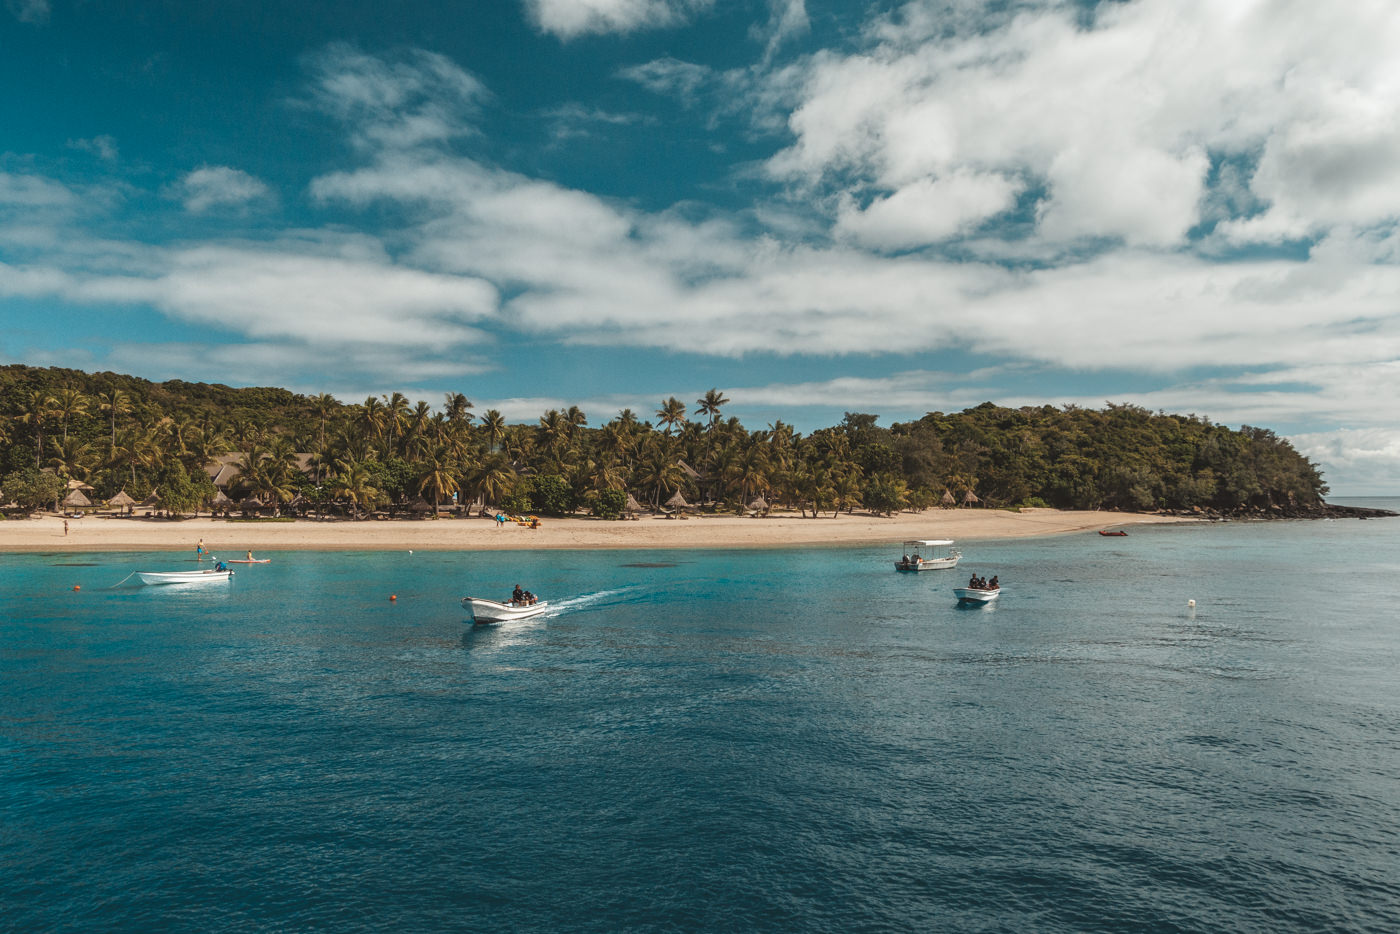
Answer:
(928, 554)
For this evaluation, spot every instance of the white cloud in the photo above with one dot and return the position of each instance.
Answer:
(1119, 119)
(569, 19)
(416, 98)
(218, 186)
(103, 147)
(928, 211)
(34, 12)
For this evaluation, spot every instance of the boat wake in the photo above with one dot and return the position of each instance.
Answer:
(601, 598)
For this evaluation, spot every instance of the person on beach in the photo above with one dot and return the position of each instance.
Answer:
(65, 526)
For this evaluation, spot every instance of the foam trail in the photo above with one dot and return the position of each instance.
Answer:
(591, 599)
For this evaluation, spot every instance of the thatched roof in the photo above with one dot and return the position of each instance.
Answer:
(121, 499)
(78, 485)
(633, 505)
(152, 500)
(677, 502)
(221, 499)
(948, 499)
(76, 498)
(970, 498)
(252, 502)
(759, 504)
(419, 504)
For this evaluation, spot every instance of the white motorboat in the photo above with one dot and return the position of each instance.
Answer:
(184, 577)
(977, 594)
(928, 554)
(492, 611)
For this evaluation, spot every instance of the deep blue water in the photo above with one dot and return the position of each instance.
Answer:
(785, 740)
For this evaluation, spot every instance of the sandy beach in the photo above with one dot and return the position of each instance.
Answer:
(230, 538)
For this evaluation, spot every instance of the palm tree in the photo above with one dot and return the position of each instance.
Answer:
(396, 416)
(38, 408)
(455, 406)
(493, 424)
(439, 473)
(353, 485)
(68, 402)
(671, 414)
(324, 405)
(372, 417)
(710, 404)
(658, 471)
(72, 458)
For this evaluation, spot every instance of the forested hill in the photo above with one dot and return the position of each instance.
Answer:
(120, 432)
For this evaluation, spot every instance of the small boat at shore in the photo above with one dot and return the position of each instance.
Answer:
(1115, 534)
(184, 577)
(972, 595)
(492, 611)
(942, 555)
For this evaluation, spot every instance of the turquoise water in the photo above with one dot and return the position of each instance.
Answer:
(784, 740)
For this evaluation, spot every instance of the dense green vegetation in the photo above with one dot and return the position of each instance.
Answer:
(118, 433)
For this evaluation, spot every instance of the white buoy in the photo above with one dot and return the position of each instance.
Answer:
(1191, 604)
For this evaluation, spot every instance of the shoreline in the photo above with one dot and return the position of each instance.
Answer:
(111, 533)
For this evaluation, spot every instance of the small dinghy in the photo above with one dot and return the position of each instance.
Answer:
(210, 576)
(1118, 534)
(976, 594)
(492, 611)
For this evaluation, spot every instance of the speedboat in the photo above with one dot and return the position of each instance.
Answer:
(491, 611)
(977, 594)
(184, 577)
(914, 560)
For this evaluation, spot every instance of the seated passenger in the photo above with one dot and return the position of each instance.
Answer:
(517, 596)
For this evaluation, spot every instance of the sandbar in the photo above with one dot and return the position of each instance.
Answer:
(228, 538)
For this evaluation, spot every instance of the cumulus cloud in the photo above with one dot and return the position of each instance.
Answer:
(928, 211)
(218, 186)
(569, 19)
(1118, 119)
(103, 147)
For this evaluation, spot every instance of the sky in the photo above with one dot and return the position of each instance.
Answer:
(815, 206)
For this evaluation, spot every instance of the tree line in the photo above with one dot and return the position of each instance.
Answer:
(121, 433)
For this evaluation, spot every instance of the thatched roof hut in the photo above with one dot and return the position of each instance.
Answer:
(970, 499)
(759, 504)
(76, 499)
(419, 505)
(632, 504)
(947, 502)
(152, 500)
(121, 499)
(677, 501)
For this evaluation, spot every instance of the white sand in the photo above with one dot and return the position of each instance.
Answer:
(232, 538)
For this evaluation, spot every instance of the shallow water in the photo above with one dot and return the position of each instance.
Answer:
(736, 740)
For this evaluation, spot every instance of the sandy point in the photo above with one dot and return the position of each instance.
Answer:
(102, 533)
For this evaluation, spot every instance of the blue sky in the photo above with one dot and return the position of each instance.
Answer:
(817, 207)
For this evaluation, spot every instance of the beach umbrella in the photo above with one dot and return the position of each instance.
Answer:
(632, 504)
(76, 498)
(948, 502)
(152, 500)
(677, 502)
(121, 499)
(970, 499)
(419, 504)
(759, 503)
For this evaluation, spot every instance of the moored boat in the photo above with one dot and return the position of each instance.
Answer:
(1118, 534)
(493, 611)
(184, 577)
(941, 555)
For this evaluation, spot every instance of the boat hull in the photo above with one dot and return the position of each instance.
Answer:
(976, 594)
(184, 577)
(490, 611)
(928, 564)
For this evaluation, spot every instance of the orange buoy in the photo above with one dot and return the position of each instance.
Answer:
(393, 597)
(77, 587)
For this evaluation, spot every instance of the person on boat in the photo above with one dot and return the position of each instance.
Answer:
(994, 584)
(517, 596)
(530, 599)
(221, 566)
(972, 582)
(906, 559)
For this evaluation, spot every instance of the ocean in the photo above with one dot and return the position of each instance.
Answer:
(742, 740)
